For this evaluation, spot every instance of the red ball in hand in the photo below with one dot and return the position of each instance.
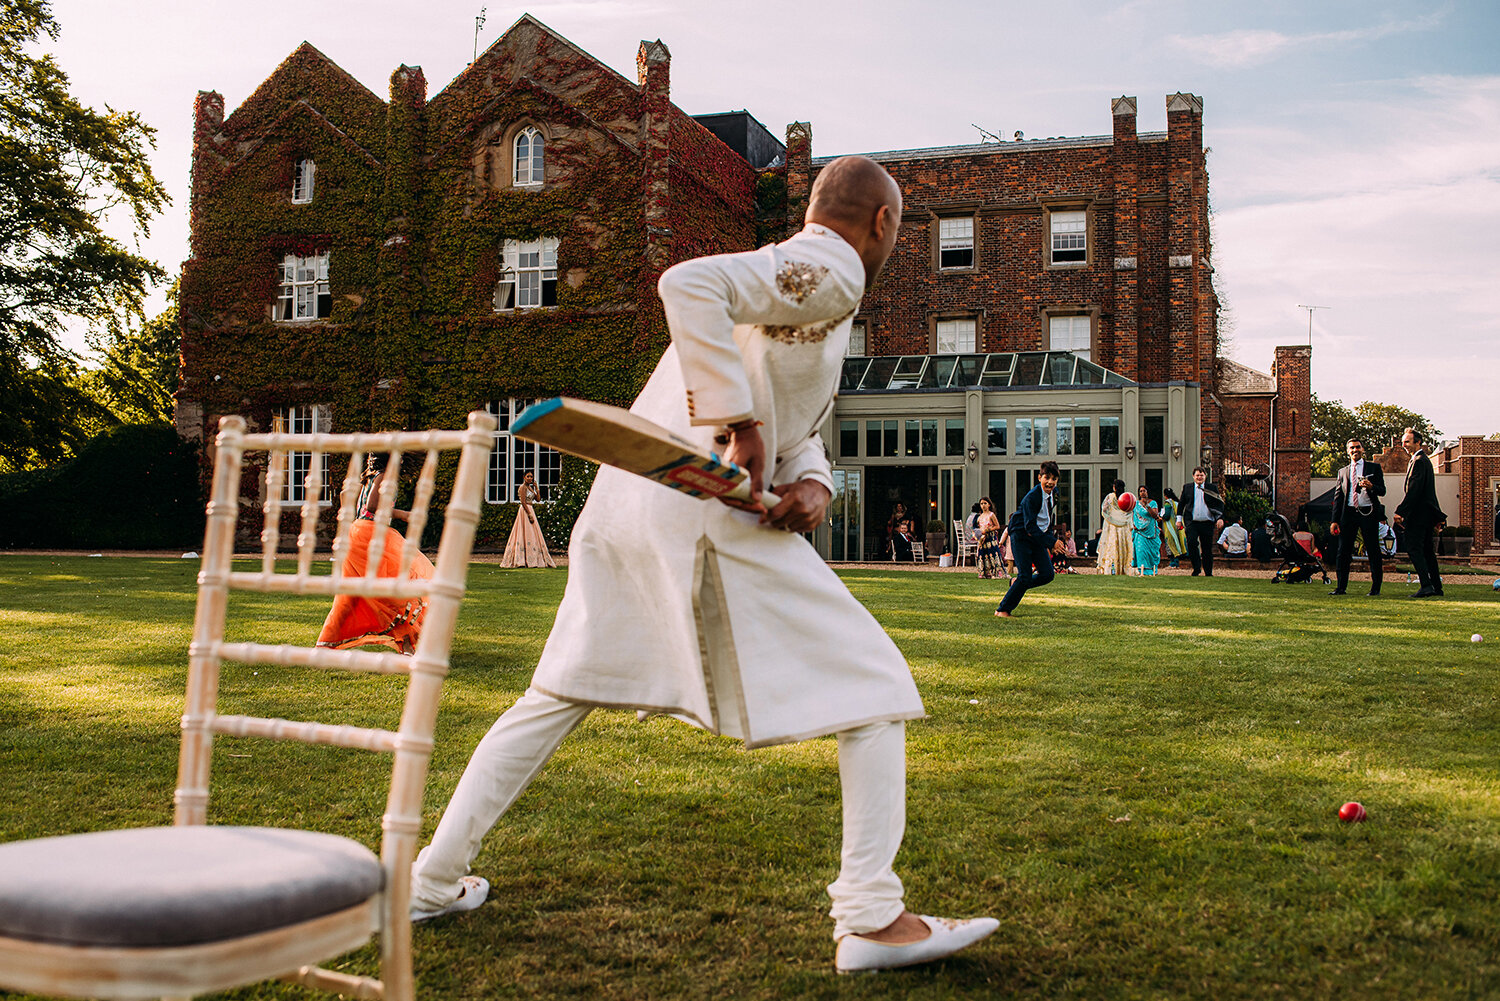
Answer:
(1352, 813)
(1126, 501)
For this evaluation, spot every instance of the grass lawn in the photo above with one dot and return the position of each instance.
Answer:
(1138, 777)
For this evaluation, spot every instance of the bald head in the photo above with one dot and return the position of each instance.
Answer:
(857, 199)
(850, 189)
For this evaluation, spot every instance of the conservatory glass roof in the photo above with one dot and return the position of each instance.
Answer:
(985, 371)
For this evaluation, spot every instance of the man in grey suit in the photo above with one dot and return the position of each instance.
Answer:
(1419, 514)
(1357, 511)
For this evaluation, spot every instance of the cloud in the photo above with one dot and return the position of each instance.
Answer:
(1252, 46)
(1376, 204)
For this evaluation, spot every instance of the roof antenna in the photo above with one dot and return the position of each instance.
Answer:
(1020, 135)
(986, 136)
(478, 23)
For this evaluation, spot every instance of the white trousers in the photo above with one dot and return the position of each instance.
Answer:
(867, 895)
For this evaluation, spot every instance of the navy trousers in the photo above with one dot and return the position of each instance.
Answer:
(1033, 569)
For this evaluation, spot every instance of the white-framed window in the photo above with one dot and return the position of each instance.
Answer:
(956, 244)
(859, 339)
(512, 458)
(1071, 333)
(1070, 237)
(955, 336)
(303, 292)
(307, 418)
(529, 157)
(302, 180)
(528, 274)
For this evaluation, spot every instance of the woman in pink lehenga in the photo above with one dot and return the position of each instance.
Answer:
(527, 546)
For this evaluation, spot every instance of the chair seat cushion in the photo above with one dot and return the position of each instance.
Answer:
(164, 886)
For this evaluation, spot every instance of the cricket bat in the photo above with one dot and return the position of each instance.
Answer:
(613, 436)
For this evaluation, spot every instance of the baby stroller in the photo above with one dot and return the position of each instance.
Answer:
(1298, 566)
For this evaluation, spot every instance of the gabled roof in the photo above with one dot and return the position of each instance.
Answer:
(1243, 380)
(304, 61)
(527, 19)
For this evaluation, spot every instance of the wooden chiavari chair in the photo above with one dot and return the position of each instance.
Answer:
(176, 911)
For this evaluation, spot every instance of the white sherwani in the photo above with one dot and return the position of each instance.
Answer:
(689, 607)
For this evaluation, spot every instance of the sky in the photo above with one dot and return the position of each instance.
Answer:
(1354, 156)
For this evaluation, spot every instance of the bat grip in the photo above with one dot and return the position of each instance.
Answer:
(741, 492)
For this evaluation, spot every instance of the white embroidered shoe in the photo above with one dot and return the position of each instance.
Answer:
(948, 936)
(474, 890)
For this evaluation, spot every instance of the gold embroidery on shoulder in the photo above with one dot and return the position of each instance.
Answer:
(796, 280)
(804, 335)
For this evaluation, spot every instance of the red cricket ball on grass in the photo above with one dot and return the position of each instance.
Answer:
(1126, 501)
(1352, 813)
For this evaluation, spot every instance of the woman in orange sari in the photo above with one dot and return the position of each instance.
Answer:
(394, 622)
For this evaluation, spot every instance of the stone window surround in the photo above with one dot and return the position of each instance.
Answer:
(1084, 205)
(954, 210)
(955, 314)
(515, 140)
(304, 171)
(502, 155)
(1046, 313)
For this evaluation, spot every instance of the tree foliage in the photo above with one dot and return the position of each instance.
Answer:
(65, 169)
(138, 372)
(1375, 424)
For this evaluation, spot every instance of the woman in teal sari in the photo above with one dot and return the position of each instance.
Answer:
(1145, 523)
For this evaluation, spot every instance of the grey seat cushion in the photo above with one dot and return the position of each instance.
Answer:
(161, 886)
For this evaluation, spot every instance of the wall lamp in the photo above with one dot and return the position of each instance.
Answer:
(1176, 449)
(972, 452)
(1130, 451)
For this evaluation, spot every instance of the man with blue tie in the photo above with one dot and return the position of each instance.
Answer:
(1033, 539)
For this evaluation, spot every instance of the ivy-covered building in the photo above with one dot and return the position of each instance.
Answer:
(360, 263)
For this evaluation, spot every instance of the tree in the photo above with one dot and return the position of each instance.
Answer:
(138, 374)
(1375, 424)
(64, 168)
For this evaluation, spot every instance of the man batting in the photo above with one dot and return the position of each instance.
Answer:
(724, 617)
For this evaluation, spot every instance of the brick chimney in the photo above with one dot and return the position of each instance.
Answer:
(1124, 346)
(653, 65)
(208, 123)
(798, 173)
(1293, 442)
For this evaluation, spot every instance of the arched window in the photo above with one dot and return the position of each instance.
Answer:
(529, 156)
(302, 181)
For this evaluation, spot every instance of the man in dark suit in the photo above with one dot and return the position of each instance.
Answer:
(1420, 516)
(1357, 512)
(1033, 539)
(1199, 516)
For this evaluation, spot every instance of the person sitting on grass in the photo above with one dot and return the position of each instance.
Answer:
(354, 620)
(1060, 562)
(1033, 539)
(1234, 541)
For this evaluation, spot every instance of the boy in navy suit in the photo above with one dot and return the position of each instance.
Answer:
(1033, 539)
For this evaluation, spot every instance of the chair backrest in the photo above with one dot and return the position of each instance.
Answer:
(411, 743)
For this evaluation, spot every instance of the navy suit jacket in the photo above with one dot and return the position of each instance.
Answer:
(1023, 519)
(1344, 486)
(1420, 505)
(1211, 499)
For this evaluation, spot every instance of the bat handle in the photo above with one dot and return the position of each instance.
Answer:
(742, 493)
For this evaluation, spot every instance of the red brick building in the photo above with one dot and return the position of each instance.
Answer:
(1476, 460)
(1030, 254)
